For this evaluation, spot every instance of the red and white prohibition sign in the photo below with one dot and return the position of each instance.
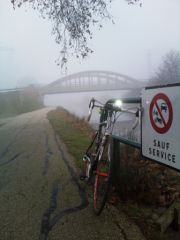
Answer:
(161, 113)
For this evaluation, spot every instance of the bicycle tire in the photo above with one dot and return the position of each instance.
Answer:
(90, 158)
(103, 176)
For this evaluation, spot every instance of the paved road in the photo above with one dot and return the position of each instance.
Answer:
(40, 194)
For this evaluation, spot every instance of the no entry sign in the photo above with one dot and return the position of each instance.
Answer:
(161, 113)
(161, 124)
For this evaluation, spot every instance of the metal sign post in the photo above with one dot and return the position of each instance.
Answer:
(161, 124)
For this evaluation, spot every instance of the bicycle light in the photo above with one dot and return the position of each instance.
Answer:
(118, 103)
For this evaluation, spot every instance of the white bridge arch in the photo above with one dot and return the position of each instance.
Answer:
(92, 81)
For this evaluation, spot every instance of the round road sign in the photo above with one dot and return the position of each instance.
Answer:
(161, 113)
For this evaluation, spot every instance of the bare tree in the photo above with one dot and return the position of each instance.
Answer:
(72, 22)
(169, 70)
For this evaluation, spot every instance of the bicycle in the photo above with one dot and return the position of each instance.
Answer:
(98, 157)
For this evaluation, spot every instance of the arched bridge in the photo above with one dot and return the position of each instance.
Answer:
(92, 81)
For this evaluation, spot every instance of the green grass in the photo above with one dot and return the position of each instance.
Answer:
(74, 132)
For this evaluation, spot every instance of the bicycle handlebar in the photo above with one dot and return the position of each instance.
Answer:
(137, 115)
(112, 107)
(91, 106)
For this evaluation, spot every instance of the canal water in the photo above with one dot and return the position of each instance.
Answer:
(77, 103)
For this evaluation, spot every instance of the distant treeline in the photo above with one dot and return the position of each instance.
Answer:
(17, 102)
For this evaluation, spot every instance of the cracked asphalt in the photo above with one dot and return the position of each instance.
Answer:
(40, 193)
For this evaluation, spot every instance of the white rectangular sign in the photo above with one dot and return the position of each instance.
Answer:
(161, 124)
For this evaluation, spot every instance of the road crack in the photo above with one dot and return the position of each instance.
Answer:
(47, 224)
(47, 156)
(11, 159)
(10, 144)
(121, 229)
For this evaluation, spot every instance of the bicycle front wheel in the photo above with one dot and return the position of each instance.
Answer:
(103, 176)
(90, 157)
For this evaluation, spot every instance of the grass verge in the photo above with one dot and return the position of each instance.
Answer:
(74, 132)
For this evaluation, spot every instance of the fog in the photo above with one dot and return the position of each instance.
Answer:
(134, 45)
(77, 103)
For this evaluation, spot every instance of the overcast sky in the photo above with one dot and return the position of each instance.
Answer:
(133, 46)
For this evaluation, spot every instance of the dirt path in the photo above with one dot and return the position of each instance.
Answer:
(40, 194)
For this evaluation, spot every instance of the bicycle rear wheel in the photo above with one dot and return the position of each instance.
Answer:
(103, 176)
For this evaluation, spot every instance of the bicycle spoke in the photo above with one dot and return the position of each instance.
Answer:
(90, 158)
